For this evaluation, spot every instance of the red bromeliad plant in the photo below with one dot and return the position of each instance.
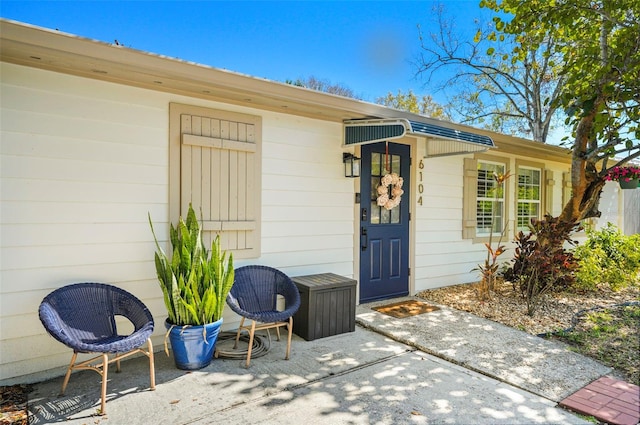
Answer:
(541, 263)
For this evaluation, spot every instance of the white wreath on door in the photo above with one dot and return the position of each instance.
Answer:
(386, 200)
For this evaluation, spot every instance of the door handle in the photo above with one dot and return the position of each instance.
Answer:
(364, 239)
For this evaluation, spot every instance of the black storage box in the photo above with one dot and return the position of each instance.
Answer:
(327, 307)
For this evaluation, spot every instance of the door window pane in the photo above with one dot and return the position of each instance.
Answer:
(375, 213)
(375, 181)
(394, 163)
(376, 164)
(395, 215)
(385, 216)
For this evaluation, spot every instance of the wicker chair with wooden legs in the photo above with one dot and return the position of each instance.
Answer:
(82, 316)
(254, 296)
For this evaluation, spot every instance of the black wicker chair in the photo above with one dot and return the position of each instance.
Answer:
(254, 296)
(82, 316)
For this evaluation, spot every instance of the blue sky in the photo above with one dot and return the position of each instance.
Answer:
(368, 47)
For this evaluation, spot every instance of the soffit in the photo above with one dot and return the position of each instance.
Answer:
(535, 150)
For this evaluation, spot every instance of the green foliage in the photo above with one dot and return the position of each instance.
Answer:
(409, 102)
(608, 257)
(323, 85)
(195, 282)
(596, 44)
(541, 263)
(493, 88)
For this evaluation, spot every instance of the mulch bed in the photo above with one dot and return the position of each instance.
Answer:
(13, 405)
(506, 306)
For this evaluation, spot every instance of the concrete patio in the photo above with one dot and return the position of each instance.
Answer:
(481, 373)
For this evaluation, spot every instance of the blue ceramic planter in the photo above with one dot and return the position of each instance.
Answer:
(191, 350)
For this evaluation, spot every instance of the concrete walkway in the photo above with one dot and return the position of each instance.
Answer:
(492, 375)
(540, 366)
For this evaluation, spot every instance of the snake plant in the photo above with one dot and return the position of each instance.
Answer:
(195, 281)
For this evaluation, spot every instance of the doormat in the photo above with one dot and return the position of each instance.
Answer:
(407, 308)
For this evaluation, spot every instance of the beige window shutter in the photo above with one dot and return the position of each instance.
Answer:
(549, 183)
(219, 176)
(470, 183)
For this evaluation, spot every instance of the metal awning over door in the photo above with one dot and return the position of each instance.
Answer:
(440, 141)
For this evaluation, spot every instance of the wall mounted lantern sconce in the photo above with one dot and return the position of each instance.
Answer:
(351, 165)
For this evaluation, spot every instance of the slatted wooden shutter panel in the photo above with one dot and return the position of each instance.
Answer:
(548, 190)
(218, 177)
(470, 188)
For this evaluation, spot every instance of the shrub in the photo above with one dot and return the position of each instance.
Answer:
(541, 263)
(609, 257)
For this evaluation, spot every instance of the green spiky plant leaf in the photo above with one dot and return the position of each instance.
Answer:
(194, 281)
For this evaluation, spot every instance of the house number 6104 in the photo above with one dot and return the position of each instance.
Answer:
(420, 185)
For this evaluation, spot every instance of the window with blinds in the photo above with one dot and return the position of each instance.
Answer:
(529, 197)
(490, 200)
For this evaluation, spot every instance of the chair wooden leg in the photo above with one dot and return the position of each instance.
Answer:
(289, 338)
(152, 368)
(105, 370)
(238, 334)
(251, 334)
(278, 332)
(68, 374)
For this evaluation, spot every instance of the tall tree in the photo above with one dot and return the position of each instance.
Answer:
(326, 86)
(598, 42)
(491, 89)
(409, 101)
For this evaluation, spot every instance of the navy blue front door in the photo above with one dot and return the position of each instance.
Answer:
(384, 232)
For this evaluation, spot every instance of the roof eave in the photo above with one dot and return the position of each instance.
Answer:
(37, 47)
(27, 45)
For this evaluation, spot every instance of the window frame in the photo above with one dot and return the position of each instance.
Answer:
(493, 200)
(470, 197)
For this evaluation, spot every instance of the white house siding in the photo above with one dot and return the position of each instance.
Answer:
(81, 165)
(611, 206)
(620, 208)
(631, 212)
(442, 257)
(83, 162)
(307, 203)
